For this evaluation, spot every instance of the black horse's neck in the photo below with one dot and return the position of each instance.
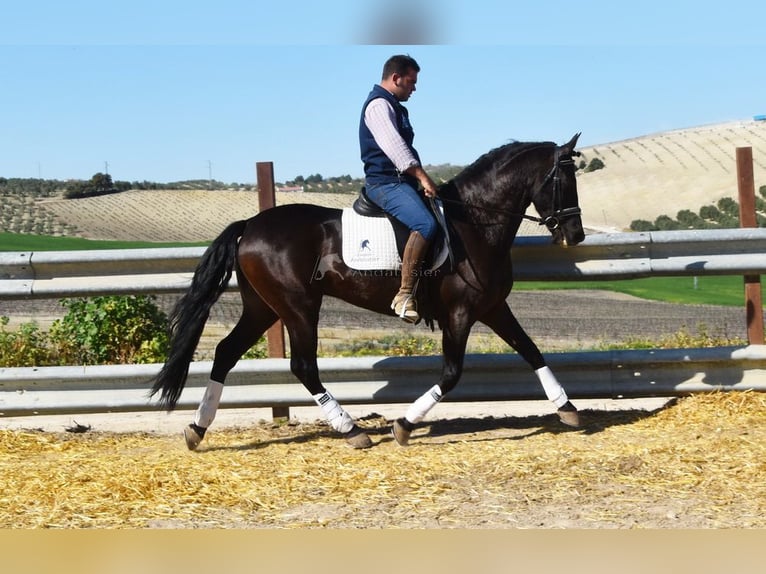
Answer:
(492, 194)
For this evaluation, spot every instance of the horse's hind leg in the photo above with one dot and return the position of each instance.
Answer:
(301, 320)
(454, 339)
(502, 321)
(256, 318)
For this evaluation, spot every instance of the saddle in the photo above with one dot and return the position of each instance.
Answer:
(440, 248)
(364, 206)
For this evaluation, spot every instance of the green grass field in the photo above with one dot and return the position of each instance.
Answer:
(24, 242)
(706, 290)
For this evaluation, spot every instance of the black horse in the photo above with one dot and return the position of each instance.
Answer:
(276, 253)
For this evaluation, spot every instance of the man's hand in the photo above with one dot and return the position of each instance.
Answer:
(429, 187)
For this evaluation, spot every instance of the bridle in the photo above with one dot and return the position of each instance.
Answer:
(553, 221)
(559, 214)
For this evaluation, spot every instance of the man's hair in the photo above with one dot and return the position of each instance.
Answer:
(399, 64)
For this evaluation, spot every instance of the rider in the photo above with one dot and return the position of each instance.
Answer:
(393, 170)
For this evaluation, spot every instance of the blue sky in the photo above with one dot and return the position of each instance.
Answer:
(166, 91)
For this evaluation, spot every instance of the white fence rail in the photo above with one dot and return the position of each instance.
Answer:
(601, 256)
(268, 382)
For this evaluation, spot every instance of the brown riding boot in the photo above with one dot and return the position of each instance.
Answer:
(414, 254)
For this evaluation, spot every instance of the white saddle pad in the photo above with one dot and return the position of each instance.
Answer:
(369, 243)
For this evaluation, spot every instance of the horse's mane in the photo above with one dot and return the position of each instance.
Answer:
(497, 157)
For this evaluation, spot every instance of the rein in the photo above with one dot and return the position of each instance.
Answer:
(493, 210)
(553, 221)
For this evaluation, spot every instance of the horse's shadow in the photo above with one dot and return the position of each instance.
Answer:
(496, 428)
(469, 429)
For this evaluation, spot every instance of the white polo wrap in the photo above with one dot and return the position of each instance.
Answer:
(339, 419)
(419, 409)
(209, 404)
(553, 390)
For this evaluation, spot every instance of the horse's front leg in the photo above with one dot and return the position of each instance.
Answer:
(454, 339)
(502, 321)
(305, 368)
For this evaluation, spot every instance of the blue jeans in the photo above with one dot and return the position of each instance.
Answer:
(403, 202)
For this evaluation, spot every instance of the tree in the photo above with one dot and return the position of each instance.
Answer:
(595, 164)
(689, 219)
(729, 222)
(98, 184)
(76, 188)
(665, 223)
(101, 183)
(642, 225)
(709, 212)
(728, 206)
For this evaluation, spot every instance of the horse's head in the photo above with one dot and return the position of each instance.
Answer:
(555, 198)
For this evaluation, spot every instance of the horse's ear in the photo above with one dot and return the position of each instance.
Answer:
(569, 147)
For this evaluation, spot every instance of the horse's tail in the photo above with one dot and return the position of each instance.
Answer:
(188, 317)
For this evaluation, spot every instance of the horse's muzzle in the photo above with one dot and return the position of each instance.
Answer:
(568, 234)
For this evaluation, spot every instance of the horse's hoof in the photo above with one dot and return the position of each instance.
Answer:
(569, 416)
(193, 435)
(357, 438)
(402, 430)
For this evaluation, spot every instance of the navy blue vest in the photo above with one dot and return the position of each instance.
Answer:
(378, 169)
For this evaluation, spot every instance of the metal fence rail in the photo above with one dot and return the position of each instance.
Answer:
(600, 256)
(634, 255)
(390, 380)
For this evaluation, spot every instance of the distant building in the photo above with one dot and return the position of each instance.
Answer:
(294, 188)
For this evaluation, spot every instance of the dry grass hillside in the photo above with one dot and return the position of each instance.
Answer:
(661, 174)
(644, 177)
(172, 215)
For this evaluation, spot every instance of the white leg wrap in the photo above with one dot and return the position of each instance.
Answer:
(419, 409)
(339, 419)
(553, 390)
(209, 404)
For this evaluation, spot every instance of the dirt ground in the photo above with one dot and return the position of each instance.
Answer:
(698, 462)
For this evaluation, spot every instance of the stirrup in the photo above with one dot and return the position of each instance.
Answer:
(405, 308)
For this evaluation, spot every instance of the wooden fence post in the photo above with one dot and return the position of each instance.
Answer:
(747, 218)
(275, 336)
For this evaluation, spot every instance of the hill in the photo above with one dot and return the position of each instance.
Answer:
(643, 178)
(170, 215)
(661, 174)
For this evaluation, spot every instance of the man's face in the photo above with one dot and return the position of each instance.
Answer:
(405, 85)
